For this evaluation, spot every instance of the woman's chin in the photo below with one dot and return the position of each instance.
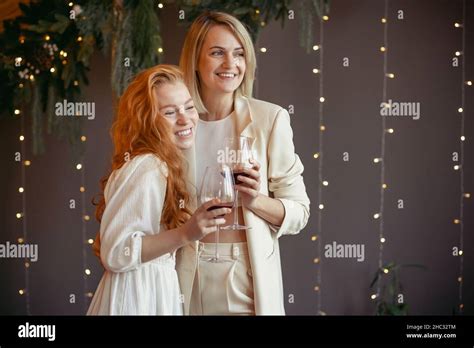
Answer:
(184, 144)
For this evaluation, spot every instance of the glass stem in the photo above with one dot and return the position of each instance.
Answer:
(217, 242)
(236, 212)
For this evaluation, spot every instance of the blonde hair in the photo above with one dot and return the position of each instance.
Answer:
(192, 49)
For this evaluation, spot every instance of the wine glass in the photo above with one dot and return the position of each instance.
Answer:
(238, 152)
(217, 183)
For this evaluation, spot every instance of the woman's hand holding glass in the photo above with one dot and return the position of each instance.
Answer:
(249, 184)
(204, 221)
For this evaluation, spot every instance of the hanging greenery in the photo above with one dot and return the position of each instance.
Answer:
(310, 9)
(255, 14)
(45, 53)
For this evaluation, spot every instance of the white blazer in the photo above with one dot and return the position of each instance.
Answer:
(273, 148)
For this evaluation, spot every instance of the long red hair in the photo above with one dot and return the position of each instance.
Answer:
(139, 129)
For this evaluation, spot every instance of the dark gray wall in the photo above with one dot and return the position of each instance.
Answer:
(418, 164)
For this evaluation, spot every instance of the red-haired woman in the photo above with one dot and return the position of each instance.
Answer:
(143, 209)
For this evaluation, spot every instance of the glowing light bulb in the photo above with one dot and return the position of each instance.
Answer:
(325, 183)
(160, 5)
(384, 20)
(315, 71)
(315, 47)
(376, 216)
(79, 166)
(21, 189)
(21, 138)
(263, 50)
(87, 271)
(325, 18)
(382, 240)
(316, 155)
(313, 238)
(321, 206)
(16, 112)
(322, 128)
(382, 49)
(90, 241)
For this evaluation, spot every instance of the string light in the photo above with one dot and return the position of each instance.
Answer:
(79, 166)
(380, 215)
(160, 5)
(458, 53)
(320, 72)
(52, 69)
(23, 214)
(263, 50)
(83, 138)
(469, 83)
(160, 50)
(313, 238)
(79, 38)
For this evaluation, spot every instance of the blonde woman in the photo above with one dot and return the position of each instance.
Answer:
(218, 62)
(142, 212)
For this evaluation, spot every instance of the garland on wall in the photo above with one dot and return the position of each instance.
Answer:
(45, 53)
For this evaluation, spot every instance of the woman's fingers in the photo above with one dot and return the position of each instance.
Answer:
(249, 181)
(248, 190)
(218, 212)
(256, 164)
(209, 204)
(254, 174)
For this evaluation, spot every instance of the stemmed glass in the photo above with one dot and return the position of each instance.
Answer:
(238, 152)
(217, 183)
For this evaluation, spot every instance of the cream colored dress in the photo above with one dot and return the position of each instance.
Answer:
(134, 198)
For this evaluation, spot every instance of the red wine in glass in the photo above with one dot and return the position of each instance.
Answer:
(221, 205)
(236, 174)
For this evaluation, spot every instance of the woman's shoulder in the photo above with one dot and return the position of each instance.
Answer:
(264, 106)
(140, 167)
(265, 112)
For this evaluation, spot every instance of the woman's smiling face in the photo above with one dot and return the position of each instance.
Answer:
(221, 64)
(177, 107)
